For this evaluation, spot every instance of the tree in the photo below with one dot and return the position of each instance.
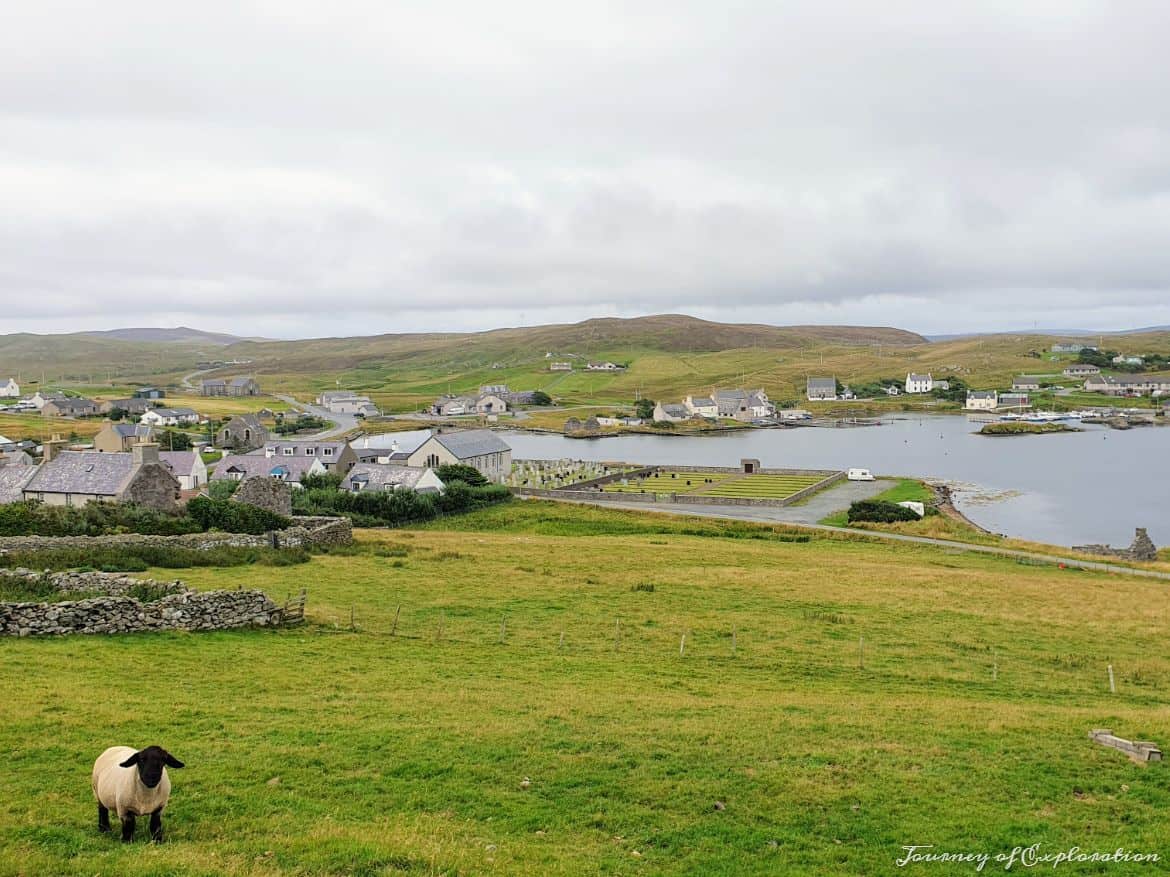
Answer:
(540, 397)
(173, 440)
(469, 475)
(117, 414)
(644, 408)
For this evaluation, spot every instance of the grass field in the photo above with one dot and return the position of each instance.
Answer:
(493, 748)
(668, 481)
(762, 486)
(38, 428)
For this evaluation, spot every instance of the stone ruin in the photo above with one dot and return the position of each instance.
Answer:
(1142, 548)
(265, 493)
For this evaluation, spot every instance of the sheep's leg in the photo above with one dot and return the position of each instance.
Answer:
(103, 818)
(156, 832)
(127, 828)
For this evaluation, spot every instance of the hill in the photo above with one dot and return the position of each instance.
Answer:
(179, 334)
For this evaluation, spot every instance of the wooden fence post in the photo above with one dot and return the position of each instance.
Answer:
(397, 612)
(439, 635)
(561, 644)
(682, 645)
(1112, 686)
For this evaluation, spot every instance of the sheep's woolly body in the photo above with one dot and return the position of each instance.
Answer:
(118, 788)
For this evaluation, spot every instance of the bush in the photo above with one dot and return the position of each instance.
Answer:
(461, 472)
(877, 511)
(397, 507)
(93, 519)
(233, 517)
(222, 489)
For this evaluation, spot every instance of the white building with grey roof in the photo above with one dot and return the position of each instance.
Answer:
(480, 448)
(365, 477)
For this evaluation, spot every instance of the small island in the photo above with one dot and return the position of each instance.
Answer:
(1017, 427)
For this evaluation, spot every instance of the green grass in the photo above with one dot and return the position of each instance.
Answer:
(325, 750)
(668, 481)
(762, 486)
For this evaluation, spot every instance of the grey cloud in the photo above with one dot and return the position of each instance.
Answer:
(455, 165)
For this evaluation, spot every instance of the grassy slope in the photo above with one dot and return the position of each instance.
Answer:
(669, 357)
(317, 751)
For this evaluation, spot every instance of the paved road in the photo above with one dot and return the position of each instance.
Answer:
(189, 380)
(838, 497)
(342, 423)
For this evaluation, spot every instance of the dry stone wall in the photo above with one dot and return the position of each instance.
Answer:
(305, 531)
(115, 611)
(1142, 548)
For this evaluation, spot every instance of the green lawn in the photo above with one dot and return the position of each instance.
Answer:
(763, 486)
(904, 490)
(325, 750)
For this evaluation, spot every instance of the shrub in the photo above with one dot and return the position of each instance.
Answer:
(222, 489)
(136, 558)
(233, 517)
(461, 472)
(395, 507)
(878, 511)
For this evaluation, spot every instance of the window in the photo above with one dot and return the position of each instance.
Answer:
(432, 461)
(327, 452)
(288, 452)
(310, 452)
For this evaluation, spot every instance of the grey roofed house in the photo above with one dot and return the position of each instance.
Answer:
(86, 472)
(13, 478)
(387, 476)
(982, 394)
(469, 443)
(237, 467)
(679, 411)
(822, 388)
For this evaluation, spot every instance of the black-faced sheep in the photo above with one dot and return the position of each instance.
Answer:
(132, 784)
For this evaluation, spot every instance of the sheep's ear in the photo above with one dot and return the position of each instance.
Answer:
(131, 761)
(173, 762)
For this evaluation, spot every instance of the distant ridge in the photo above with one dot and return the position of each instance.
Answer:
(176, 335)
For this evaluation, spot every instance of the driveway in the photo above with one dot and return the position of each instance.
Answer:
(342, 423)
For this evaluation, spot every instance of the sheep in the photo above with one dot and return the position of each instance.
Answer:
(133, 783)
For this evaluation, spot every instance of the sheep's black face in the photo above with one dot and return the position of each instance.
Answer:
(150, 763)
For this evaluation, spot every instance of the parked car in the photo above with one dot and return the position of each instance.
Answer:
(860, 475)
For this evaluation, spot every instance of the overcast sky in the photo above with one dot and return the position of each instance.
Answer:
(296, 169)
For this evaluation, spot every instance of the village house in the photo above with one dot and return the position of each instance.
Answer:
(10, 389)
(480, 448)
(892, 390)
(187, 466)
(1128, 385)
(169, 417)
(333, 455)
(916, 383)
(13, 478)
(117, 438)
(1122, 359)
(560, 367)
(821, 389)
(490, 403)
(605, 367)
(242, 433)
(75, 478)
(381, 477)
(1013, 400)
(704, 406)
(243, 386)
(348, 402)
(1081, 370)
(1071, 348)
(213, 387)
(133, 406)
(40, 398)
(149, 393)
(291, 470)
(69, 407)
(453, 406)
(1025, 382)
(667, 413)
(982, 400)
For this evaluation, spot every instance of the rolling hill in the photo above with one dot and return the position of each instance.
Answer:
(177, 335)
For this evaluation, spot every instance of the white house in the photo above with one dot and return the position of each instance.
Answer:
(387, 476)
(480, 448)
(670, 413)
(1026, 382)
(490, 403)
(10, 390)
(169, 417)
(982, 400)
(916, 383)
(704, 406)
(1120, 359)
(187, 466)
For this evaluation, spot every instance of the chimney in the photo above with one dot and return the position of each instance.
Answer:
(394, 446)
(144, 452)
(53, 446)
